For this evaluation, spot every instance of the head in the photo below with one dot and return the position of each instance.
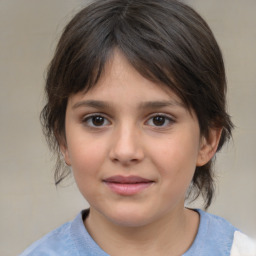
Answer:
(166, 42)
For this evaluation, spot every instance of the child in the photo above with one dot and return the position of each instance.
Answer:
(136, 107)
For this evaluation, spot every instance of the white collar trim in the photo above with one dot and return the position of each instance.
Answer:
(243, 245)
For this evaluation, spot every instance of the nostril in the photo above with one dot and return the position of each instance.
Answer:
(126, 147)
(125, 161)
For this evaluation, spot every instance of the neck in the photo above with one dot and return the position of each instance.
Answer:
(172, 234)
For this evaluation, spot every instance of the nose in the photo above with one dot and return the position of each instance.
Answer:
(126, 146)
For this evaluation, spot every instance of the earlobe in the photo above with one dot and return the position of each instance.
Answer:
(208, 146)
(65, 154)
(60, 137)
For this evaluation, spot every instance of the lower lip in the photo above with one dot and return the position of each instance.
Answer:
(128, 189)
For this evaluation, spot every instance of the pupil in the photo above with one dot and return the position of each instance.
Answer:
(158, 120)
(98, 120)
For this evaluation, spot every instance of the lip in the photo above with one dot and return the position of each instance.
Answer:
(127, 185)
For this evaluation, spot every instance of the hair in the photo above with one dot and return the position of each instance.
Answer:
(166, 41)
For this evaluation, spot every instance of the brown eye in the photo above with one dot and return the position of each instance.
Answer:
(159, 120)
(96, 121)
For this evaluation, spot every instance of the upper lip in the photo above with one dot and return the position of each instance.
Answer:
(126, 179)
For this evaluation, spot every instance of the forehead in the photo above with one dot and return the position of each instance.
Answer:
(121, 82)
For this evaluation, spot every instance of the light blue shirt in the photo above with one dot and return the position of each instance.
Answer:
(214, 237)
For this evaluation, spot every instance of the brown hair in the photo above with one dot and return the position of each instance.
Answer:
(165, 41)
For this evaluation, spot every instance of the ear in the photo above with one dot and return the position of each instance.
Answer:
(208, 146)
(65, 153)
(61, 139)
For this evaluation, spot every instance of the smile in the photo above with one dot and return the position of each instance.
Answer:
(127, 186)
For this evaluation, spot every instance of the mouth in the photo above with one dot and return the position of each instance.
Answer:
(127, 186)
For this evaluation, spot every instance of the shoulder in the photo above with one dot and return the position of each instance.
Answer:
(57, 242)
(216, 225)
(71, 238)
(214, 237)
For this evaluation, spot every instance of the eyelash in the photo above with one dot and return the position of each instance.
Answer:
(88, 120)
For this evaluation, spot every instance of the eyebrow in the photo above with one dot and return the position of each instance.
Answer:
(143, 105)
(160, 104)
(92, 103)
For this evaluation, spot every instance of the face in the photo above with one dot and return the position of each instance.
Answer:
(132, 145)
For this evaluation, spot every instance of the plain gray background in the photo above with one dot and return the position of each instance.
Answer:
(30, 204)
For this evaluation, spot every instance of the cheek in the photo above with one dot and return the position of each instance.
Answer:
(175, 162)
(86, 161)
(176, 157)
(86, 156)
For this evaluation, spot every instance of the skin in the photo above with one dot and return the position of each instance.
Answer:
(126, 141)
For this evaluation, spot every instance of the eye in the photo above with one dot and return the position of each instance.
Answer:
(96, 121)
(160, 121)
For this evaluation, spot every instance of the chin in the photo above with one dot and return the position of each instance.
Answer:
(129, 217)
(130, 221)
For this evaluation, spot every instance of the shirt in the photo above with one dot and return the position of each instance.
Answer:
(215, 236)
